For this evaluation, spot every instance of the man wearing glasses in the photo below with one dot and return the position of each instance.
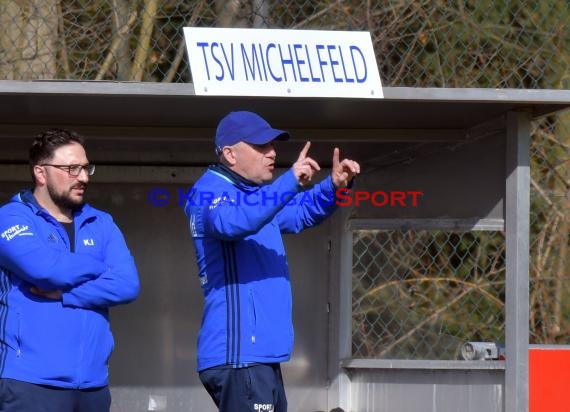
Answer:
(63, 264)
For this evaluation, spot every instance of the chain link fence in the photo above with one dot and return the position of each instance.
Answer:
(422, 294)
(415, 294)
(549, 231)
(421, 43)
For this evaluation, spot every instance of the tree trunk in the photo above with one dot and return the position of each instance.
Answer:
(143, 49)
(120, 22)
(231, 14)
(28, 39)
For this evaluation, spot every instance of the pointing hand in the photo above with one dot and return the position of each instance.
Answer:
(305, 167)
(343, 172)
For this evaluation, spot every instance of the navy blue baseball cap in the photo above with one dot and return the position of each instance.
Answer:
(244, 126)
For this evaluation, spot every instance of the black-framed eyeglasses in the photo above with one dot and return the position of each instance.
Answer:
(74, 170)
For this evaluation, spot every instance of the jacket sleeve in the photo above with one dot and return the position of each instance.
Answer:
(25, 254)
(308, 208)
(230, 217)
(118, 285)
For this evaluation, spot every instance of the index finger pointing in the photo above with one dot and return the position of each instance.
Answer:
(304, 152)
(336, 157)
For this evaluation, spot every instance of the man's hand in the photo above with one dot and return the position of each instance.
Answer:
(305, 167)
(48, 294)
(343, 172)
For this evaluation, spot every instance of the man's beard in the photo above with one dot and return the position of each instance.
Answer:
(64, 200)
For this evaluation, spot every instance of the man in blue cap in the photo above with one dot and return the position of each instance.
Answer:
(247, 328)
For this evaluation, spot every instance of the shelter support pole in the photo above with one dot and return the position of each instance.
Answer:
(517, 207)
(339, 391)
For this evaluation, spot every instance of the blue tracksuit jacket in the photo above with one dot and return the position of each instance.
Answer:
(63, 343)
(236, 227)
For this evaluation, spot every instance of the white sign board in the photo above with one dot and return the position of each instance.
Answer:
(270, 62)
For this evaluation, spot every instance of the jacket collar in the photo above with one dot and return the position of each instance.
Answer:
(233, 177)
(27, 197)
